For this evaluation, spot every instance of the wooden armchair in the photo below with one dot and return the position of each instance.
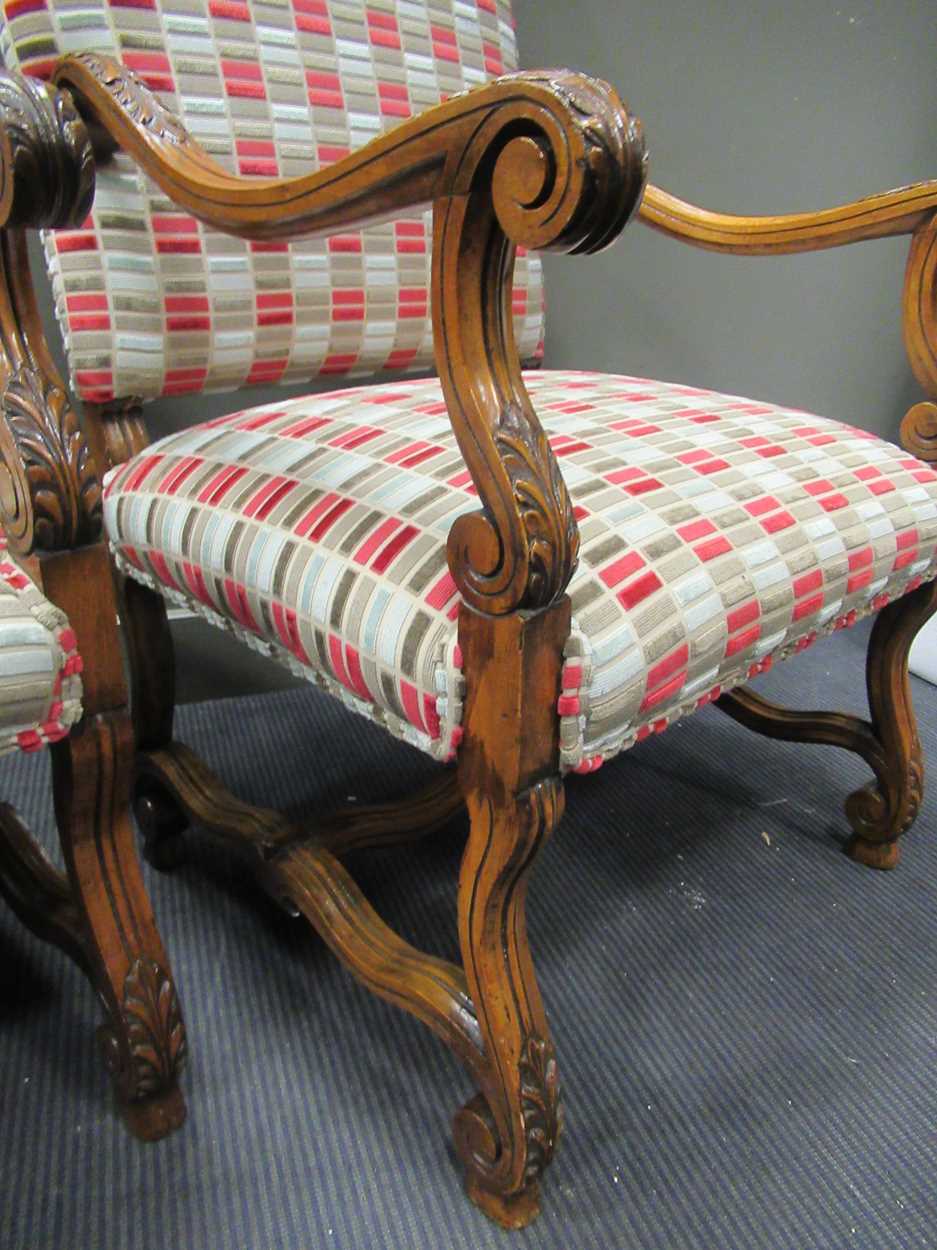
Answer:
(412, 546)
(57, 605)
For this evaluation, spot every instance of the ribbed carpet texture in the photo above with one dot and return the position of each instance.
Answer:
(746, 1021)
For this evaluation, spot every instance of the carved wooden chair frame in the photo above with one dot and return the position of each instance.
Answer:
(548, 160)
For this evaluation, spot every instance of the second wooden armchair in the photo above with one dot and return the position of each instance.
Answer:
(413, 546)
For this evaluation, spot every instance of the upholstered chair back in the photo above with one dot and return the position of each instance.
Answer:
(151, 302)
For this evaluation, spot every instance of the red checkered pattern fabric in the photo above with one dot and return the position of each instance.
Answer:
(150, 301)
(718, 535)
(40, 683)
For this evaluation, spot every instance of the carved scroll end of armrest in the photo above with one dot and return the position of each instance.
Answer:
(574, 175)
(557, 163)
(47, 161)
(50, 494)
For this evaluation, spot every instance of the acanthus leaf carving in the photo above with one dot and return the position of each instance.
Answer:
(559, 166)
(50, 494)
(154, 1031)
(140, 104)
(544, 506)
(541, 1105)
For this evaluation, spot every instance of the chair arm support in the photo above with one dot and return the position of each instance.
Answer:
(906, 210)
(900, 211)
(50, 494)
(545, 160)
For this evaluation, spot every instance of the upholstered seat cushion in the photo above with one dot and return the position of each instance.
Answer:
(40, 686)
(718, 534)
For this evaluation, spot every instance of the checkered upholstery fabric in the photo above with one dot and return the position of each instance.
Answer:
(150, 301)
(718, 535)
(40, 686)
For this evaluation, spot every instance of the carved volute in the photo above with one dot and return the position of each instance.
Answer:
(561, 167)
(550, 160)
(50, 495)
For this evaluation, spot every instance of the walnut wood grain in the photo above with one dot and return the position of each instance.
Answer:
(489, 1012)
(548, 160)
(901, 211)
(50, 497)
(116, 430)
(906, 210)
(50, 509)
(191, 784)
(37, 892)
(144, 1038)
(583, 207)
(312, 880)
(47, 165)
(176, 788)
(377, 826)
(509, 773)
(882, 811)
(919, 320)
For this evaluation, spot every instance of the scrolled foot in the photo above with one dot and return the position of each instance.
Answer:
(162, 825)
(881, 855)
(144, 1048)
(510, 1211)
(477, 1145)
(151, 1119)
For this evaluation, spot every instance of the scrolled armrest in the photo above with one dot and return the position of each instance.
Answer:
(546, 160)
(575, 200)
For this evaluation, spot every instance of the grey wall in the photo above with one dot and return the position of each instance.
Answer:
(751, 106)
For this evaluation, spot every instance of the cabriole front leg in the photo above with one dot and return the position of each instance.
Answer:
(144, 1038)
(509, 774)
(506, 1135)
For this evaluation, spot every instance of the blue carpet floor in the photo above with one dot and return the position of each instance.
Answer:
(746, 1021)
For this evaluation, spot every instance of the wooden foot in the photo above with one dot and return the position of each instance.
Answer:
(513, 1212)
(883, 810)
(151, 1119)
(882, 855)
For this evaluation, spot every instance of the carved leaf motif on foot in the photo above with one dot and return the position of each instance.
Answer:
(541, 1106)
(876, 809)
(154, 1030)
(50, 494)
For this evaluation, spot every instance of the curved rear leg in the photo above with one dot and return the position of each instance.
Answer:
(151, 664)
(883, 810)
(886, 808)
